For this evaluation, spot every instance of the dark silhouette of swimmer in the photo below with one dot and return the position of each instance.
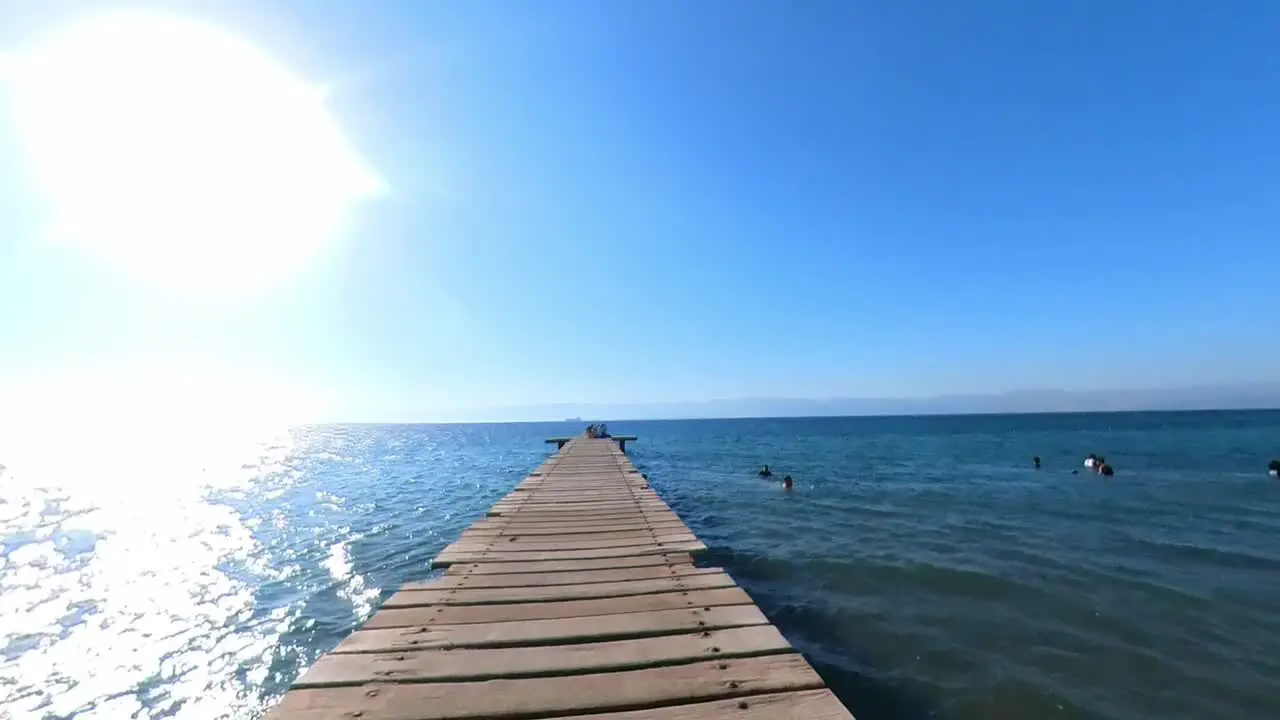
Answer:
(1106, 470)
(765, 471)
(1036, 460)
(1273, 468)
(786, 482)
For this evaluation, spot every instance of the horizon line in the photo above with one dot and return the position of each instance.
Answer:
(973, 413)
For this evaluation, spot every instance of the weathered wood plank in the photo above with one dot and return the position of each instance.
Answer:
(802, 704)
(529, 697)
(562, 516)
(446, 559)
(580, 505)
(518, 543)
(705, 580)
(491, 536)
(579, 577)
(517, 612)
(572, 493)
(546, 519)
(500, 528)
(569, 565)
(466, 664)
(665, 516)
(389, 638)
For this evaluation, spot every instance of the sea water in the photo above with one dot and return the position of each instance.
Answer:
(923, 565)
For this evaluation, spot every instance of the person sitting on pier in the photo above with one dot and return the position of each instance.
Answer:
(602, 431)
(765, 471)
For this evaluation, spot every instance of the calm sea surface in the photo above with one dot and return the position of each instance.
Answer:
(921, 563)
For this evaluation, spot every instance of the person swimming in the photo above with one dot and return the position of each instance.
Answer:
(786, 482)
(1036, 460)
(1273, 468)
(765, 471)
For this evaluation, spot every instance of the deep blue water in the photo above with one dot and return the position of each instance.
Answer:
(921, 563)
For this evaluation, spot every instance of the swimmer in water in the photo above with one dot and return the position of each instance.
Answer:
(786, 482)
(765, 471)
(1036, 460)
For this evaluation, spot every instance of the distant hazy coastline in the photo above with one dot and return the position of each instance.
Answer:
(1261, 396)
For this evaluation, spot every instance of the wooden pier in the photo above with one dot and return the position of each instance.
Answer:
(576, 596)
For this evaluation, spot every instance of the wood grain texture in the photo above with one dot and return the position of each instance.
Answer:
(798, 705)
(578, 577)
(488, 663)
(517, 612)
(446, 559)
(486, 527)
(518, 543)
(494, 568)
(573, 694)
(555, 631)
(706, 580)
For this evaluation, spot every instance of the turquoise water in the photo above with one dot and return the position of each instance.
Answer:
(921, 563)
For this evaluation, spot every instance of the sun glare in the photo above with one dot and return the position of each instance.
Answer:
(181, 153)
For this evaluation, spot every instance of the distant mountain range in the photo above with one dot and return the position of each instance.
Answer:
(1206, 397)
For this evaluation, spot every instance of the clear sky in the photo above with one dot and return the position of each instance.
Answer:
(409, 208)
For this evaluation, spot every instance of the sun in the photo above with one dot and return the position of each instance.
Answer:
(180, 153)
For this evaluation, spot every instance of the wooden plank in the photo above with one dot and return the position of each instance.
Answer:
(570, 565)
(576, 501)
(491, 536)
(534, 520)
(488, 663)
(581, 505)
(620, 486)
(518, 514)
(446, 559)
(389, 638)
(575, 694)
(516, 540)
(562, 578)
(485, 527)
(707, 579)
(579, 509)
(806, 704)
(517, 612)
(516, 518)
(577, 497)
(584, 512)
(519, 543)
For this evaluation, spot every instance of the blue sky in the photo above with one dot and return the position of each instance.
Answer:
(628, 202)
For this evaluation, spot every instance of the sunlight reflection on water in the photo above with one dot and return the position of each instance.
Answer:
(117, 589)
(186, 572)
